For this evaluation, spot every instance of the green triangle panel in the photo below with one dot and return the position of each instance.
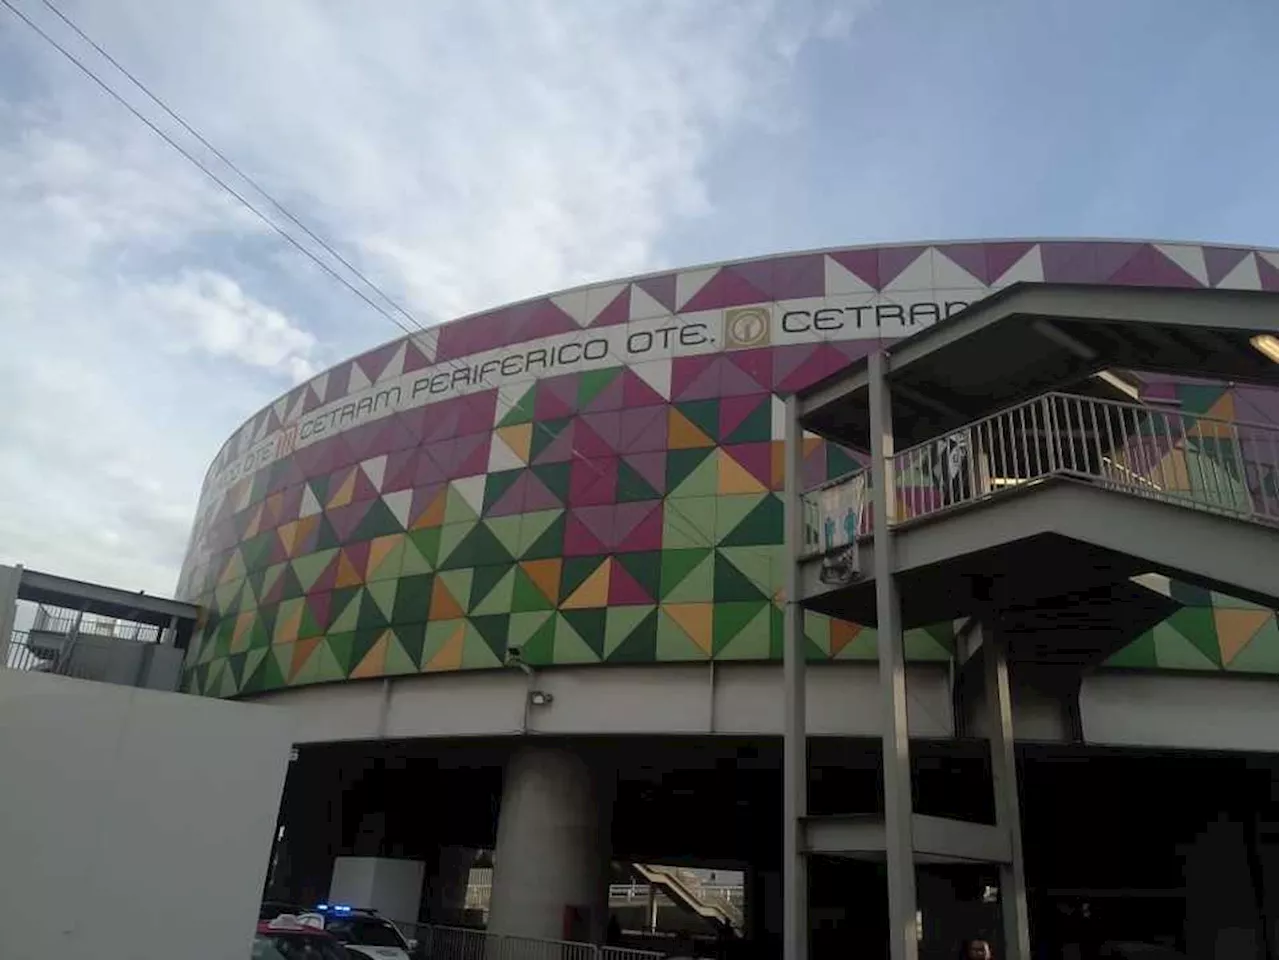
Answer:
(689, 523)
(920, 645)
(673, 644)
(645, 567)
(591, 382)
(525, 595)
(761, 526)
(1174, 651)
(413, 599)
(426, 543)
(763, 566)
(545, 545)
(506, 530)
(641, 644)
(378, 522)
(732, 584)
(730, 619)
(320, 667)
(575, 571)
(521, 626)
(632, 486)
(382, 593)
(619, 624)
(496, 484)
(733, 510)
(540, 648)
(545, 434)
(554, 476)
(412, 637)
(701, 479)
(344, 609)
(571, 646)
(309, 567)
(521, 412)
(681, 464)
(401, 658)
(1141, 654)
(362, 641)
(754, 639)
(1197, 626)
(342, 646)
(861, 647)
(492, 631)
(589, 625)
(452, 536)
(688, 575)
(756, 427)
(456, 508)
(703, 414)
(491, 589)
(479, 548)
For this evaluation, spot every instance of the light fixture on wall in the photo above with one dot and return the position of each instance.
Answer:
(540, 698)
(1267, 345)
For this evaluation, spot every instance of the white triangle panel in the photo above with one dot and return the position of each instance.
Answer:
(917, 276)
(645, 307)
(690, 282)
(1028, 269)
(398, 502)
(375, 469)
(1270, 256)
(395, 366)
(600, 296)
(657, 374)
(841, 280)
(426, 341)
(574, 303)
(357, 380)
(947, 274)
(471, 489)
(1187, 256)
(319, 386)
(1243, 276)
(502, 457)
(310, 505)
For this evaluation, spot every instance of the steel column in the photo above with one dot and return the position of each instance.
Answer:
(895, 747)
(795, 766)
(1004, 783)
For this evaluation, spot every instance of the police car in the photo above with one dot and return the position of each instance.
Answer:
(364, 933)
(289, 936)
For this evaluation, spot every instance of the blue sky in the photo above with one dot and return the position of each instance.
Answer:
(470, 152)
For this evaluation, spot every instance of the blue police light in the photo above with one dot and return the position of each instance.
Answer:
(322, 907)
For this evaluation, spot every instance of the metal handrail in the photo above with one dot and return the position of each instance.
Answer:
(1207, 463)
(441, 942)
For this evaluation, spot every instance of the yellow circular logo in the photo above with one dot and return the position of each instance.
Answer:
(747, 326)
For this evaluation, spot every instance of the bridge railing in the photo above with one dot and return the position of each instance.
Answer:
(1208, 463)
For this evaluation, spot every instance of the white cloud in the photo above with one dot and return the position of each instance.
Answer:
(206, 310)
(463, 153)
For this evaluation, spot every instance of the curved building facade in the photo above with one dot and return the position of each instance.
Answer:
(594, 476)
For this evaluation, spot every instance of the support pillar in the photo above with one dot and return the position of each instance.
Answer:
(895, 747)
(1004, 783)
(551, 864)
(795, 763)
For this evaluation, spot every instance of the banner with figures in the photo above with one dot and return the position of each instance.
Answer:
(840, 512)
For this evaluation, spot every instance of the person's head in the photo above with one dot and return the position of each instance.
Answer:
(976, 950)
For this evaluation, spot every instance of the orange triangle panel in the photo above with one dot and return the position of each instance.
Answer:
(443, 604)
(694, 619)
(449, 656)
(518, 438)
(375, 660)
(302, 651)
(842, 634)
(682, 434)
(545, 575)
(593, 591)
(1236, 628)
(732, 477)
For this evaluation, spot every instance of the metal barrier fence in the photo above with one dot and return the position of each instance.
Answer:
(462, 943)
(1208, 463)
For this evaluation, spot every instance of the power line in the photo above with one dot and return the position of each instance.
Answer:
(204, 169)
(281, 208)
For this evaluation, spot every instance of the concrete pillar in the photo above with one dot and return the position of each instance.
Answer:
(10, 580)
(795, 751)
(551, 864)
(899, 847)
(446, 888)
(1222, 921)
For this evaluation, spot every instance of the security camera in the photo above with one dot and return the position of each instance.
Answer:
(516, 660)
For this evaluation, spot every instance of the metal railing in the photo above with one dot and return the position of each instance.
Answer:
(436, 942)
(1207, 463)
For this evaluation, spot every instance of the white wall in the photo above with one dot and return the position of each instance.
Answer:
(1189, 711)
(392, 887)
(134, 824)
(724, 698)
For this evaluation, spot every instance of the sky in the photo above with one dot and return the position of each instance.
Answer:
(466, 153)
